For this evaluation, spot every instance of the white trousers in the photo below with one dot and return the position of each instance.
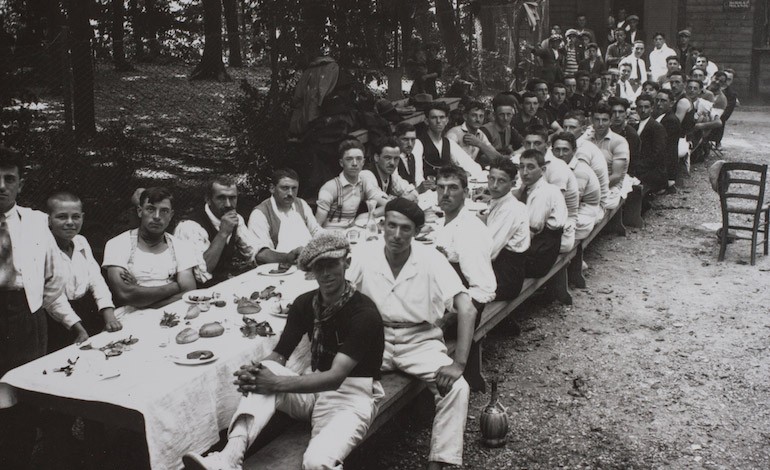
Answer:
(568, 236)
(588, 217)
(420, 351)
(339, 418)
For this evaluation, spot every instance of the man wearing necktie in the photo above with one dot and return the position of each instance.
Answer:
(410, 165)
(638, 67)
(30, 280)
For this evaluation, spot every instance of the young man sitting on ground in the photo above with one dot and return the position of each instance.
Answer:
(508, 222)
(547, 214)
(147, 267)
(283, 223)
(339, 393)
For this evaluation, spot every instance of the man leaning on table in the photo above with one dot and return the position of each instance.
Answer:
(85, 288)
(219, 234)
(31, 279)
(283, 223)
(340, 392)
(147, 267)
(412, 285)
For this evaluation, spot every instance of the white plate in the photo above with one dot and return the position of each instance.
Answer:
(198, 292)
(183, 361)
(280, 315)
(265, 269)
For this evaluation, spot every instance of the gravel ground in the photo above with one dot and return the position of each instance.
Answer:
(662, 362)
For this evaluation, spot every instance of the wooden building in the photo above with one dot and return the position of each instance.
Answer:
(733, 33)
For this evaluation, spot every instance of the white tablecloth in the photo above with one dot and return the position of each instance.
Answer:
(184, 407)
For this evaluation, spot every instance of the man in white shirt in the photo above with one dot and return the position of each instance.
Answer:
(508, 222)
(85, 288)
(547, 214)
(343, 198)
(147, 267)
(439, 150)
(219, 234)
(625, 88)
(590, 209)
(31, 279)
(616, 152)
(575, 123)
(283, 223)
(638, 67)
(469, 136)
(386, 158)
(464, 239)
(412, 285)
(659, 56)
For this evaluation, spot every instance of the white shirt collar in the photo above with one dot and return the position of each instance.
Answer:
(13, 210)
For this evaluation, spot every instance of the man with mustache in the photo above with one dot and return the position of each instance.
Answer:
(387, 157)
(469, 136)
(283, 223)
(219, 234)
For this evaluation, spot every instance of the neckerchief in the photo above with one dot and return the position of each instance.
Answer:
(320, 317)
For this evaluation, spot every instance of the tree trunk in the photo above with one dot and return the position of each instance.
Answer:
(423, 19)
(118, 35)
(82, 69)
(488, 19)
(211, 66)
(134, 10)
(153, 44)
(314, 16)
(450, 33)
(233, 33)
(405, 11)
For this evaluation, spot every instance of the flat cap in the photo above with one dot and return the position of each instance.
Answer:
(685, 32)
(328, 245)
(571, 32)
(632, 18)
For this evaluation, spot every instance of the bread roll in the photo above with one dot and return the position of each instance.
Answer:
(210, 330)
(188, 335)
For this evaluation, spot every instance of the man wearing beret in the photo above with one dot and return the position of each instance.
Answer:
(340, 392)
(412, 286)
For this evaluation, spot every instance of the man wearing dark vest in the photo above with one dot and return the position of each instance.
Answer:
(220, 234)
(283, 223)
(387, 157)
(439, 151)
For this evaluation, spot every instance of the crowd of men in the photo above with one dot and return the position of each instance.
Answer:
(560, 156)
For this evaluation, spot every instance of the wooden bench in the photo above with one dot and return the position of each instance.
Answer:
(286, 450)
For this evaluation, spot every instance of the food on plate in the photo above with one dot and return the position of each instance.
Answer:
(254, 295)
(274, 306)
(169, 320)
(210, 330)
(188, 335)
(199, 298)
(282, 268)
(252, 328)
(248, 306)
(200, 354)
(192, 312)
(265, 294)
(218, 303)
(114, 348)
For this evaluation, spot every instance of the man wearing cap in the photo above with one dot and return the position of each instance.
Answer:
(581, 27)
(387, 156)
(634, 33)
(412, 286)
(593, 64)
(339, 393)
(684, 49)
(469, 136)
(574, 53)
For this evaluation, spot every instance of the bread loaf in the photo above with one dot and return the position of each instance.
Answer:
(210, 330)
(188, 335)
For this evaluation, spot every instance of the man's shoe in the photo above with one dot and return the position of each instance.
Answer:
(213, 461)
(671, 189)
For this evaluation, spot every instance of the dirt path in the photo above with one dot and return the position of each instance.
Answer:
(662, 362)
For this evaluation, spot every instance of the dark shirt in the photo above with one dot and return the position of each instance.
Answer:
(520, 126)
(578, 101)
(556, 113)
(355, 330)
(634, 143)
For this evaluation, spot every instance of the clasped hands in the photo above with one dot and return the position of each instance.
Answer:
(254, 378)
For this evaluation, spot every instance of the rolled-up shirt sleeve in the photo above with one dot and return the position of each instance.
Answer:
(461, 158)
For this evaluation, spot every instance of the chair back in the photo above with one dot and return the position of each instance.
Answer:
(742, 188)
